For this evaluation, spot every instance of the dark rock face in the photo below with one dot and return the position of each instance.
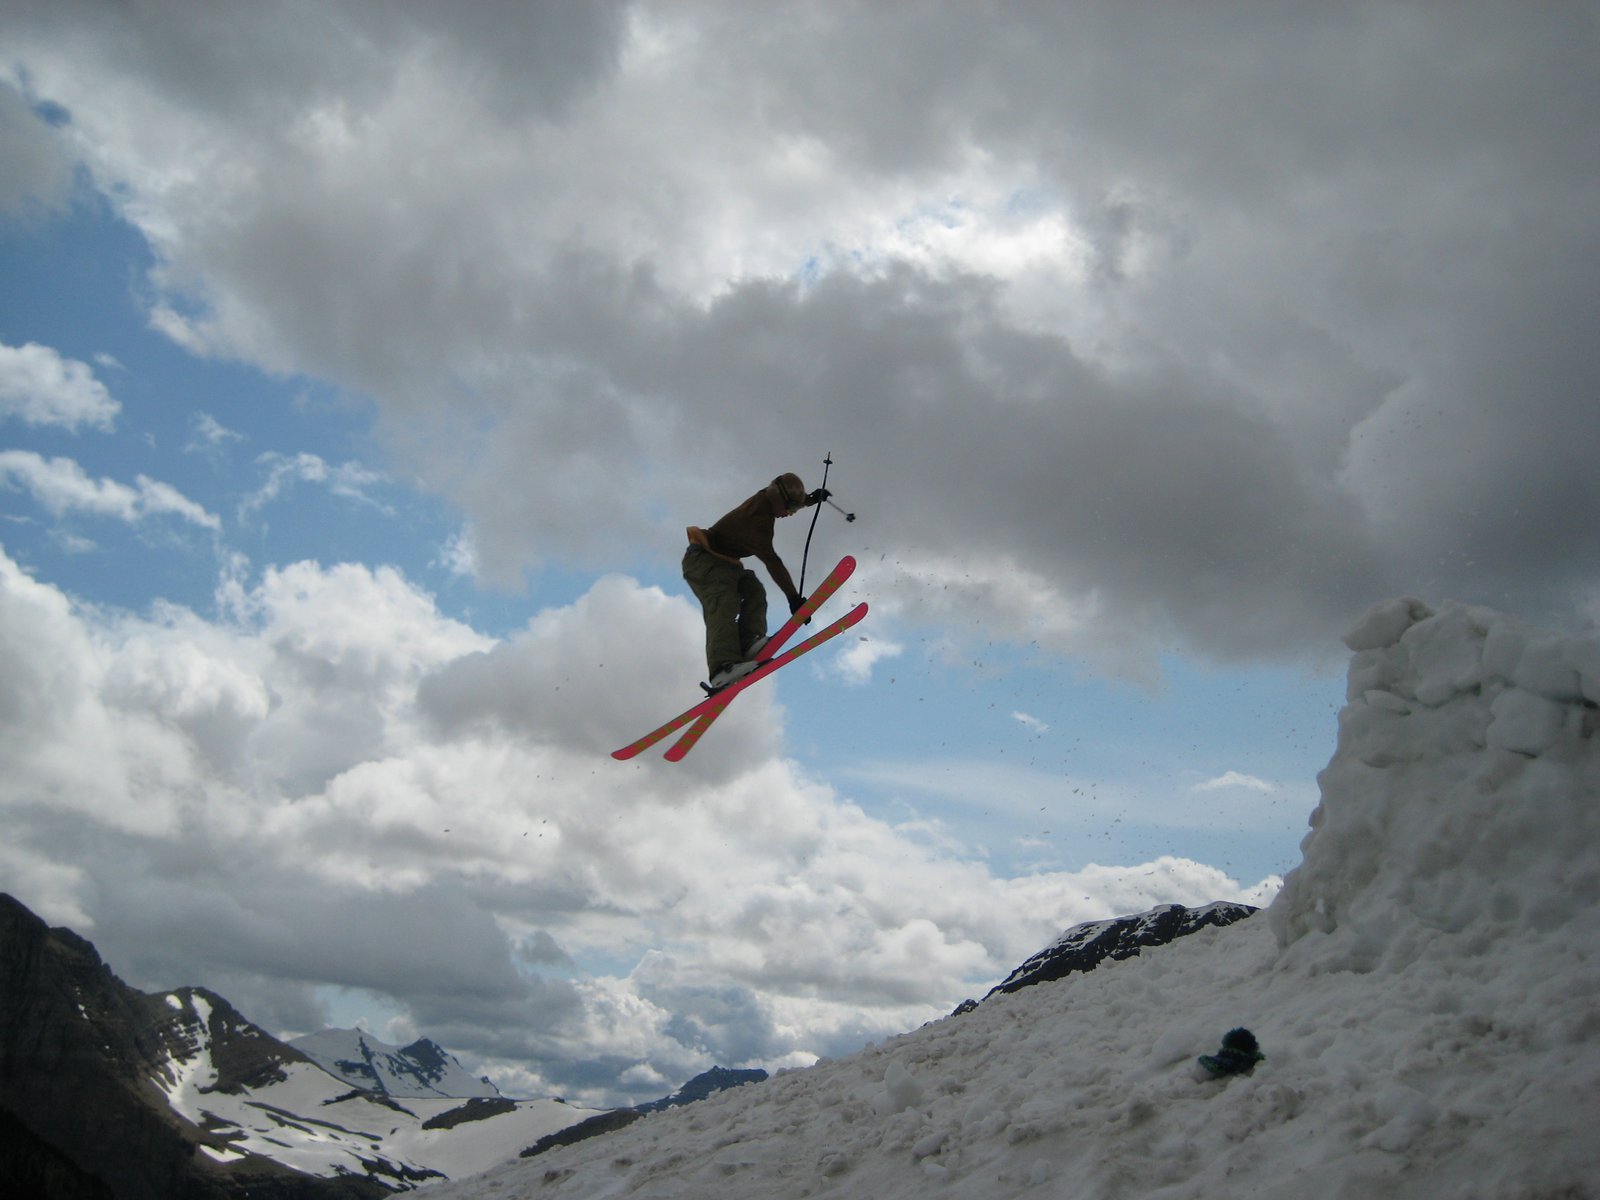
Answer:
(245, 1055)
(79, 1055)
(479, 1108)
(430, 1058)
(32, 1167)
(607, 1122)
(1085, 947)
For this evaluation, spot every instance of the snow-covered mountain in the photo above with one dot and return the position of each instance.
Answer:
(306, 1117)
(1084, 947)
(202, 1103)
(1426, 988)
(424, 1069)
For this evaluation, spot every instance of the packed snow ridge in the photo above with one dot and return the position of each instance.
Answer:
(1425, 987)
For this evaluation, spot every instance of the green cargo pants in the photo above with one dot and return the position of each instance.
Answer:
(734, 603)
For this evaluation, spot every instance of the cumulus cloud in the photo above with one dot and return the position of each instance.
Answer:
(39, 387)
(332, 785)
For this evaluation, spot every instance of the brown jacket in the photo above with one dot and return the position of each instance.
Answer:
(747, 532)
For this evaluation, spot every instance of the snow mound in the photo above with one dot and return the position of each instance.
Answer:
(1462, 797)
(1426, 988)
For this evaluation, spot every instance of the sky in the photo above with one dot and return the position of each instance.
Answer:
(361, 364)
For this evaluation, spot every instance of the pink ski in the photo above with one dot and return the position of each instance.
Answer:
(725, 697)
(710, 708)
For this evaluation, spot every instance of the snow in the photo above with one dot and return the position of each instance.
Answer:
(363, 1061)
(1426, 987)
(466, 1149)
(316, 1122)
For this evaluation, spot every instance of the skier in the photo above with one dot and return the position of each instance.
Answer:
(738, 650)
(732, 599)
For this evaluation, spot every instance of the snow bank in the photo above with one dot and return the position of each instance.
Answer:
(1462, 796)
(1426, 989)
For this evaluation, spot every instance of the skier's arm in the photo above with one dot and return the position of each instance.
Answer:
(781, 577)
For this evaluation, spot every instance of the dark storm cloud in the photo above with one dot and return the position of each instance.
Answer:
(1324, 339)
(34, 173)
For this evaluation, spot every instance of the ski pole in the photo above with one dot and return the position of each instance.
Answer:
(805, 557)
(848, 516)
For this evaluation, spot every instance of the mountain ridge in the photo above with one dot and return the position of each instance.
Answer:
(421, 1069)
(207, 1105)
(229, 1110)
(81, 1053)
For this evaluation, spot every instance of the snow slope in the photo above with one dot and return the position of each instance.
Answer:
(1426, 988)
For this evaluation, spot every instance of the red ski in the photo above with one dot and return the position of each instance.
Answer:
(707, 711)
(723, 698)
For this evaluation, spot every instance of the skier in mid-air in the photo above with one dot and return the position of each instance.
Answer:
(733, 600)
(738, 650)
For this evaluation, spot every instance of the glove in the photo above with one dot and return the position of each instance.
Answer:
(795, 604)
(818, 496)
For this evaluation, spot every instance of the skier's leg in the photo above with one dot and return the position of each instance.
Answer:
(752, 613)
(715, 584)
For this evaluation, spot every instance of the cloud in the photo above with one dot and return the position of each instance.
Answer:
(1030, 722)
(861, 654)
(1194, 425)
(62, 486)
(350, 480)
(1234, 779)
(459, 554)
(207, 435)
(1135, 332)
(35, 176)
(39, 387)
(333, 786)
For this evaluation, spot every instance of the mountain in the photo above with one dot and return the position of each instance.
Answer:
(1425, 988)
(702, 1086)
(81, 1054)
(422, 1069)
(1084, 947)
(707, 1083)
(32, 1167)
(1080, 949)
(176, 1096)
